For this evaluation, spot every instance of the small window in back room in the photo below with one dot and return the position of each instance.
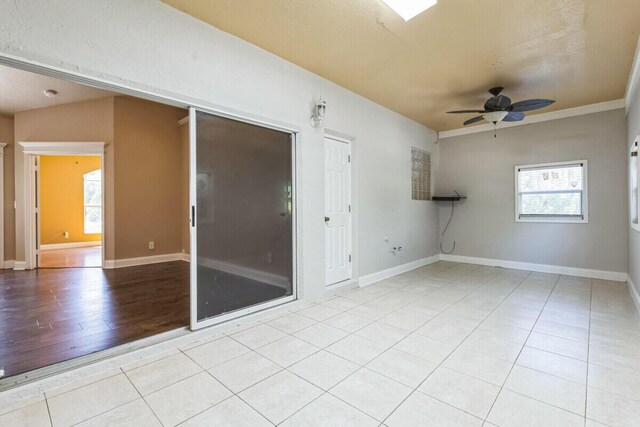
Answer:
(552, 192)
(634, 175)
(420, 174)
(93, 202)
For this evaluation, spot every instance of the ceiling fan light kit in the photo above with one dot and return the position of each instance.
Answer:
(495, 116)
(499, 108)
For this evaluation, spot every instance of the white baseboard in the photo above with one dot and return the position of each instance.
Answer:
(634, 293)
(19, 265)
(132, 262)
(53, 246)
(186, 257)
(8, 264)
(378, 276)
(249, 273)
(542, 268)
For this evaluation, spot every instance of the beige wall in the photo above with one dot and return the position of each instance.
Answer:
(6, 136)
(144, 175)
(90, 121)
(148, 178)
(482, 167)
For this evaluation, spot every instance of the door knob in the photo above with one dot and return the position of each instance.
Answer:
(327, 219)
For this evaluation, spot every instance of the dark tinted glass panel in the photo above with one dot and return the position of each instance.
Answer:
(243, 213)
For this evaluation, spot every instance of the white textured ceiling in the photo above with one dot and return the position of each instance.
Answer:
(23, 90)
(578, 52)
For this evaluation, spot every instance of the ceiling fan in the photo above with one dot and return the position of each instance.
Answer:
(499, 108)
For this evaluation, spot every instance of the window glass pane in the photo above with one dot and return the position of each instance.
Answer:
(551, 179)
(92, 220)
(551, 204)
(92, 193)
(95, 175)
(93, 202)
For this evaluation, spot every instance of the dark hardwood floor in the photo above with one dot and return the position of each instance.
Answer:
(52, 315)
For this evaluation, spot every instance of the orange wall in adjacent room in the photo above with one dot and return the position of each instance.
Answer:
(62, 198)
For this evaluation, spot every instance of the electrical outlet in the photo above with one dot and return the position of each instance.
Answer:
(66, 234)
(152, 245)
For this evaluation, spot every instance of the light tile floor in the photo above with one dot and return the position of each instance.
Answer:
(445, 345)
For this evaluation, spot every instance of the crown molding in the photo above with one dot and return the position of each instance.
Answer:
(634, 79)
(62, 148)
(538, 118)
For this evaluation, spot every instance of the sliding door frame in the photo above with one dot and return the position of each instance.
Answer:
(193, 226)
(178, 100)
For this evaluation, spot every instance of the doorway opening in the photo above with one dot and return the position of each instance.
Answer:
(64, 195)
(69, 211)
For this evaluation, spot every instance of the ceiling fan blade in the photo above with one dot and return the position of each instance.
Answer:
(496, 91)
(514, 116)
(474, 120)
(497, 103)
(531, 104)
(466, 112)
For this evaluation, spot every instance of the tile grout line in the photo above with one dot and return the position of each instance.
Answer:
(233, 394)
(523, 346)
(473, 330)
(586, 388)
(46, 401)
(555, 376)
(143, 399)
(361, 367)
(112, 409)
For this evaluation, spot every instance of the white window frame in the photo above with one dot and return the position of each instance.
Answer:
(634, 147)
(555, 219)
(85, 206)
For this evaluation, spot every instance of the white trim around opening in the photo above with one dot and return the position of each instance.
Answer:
(347, 275)
(44, 148)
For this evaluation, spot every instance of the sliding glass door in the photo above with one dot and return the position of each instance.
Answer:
(243, 217)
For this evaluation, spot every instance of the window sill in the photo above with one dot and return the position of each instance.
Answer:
(554, 220)
(635, 226)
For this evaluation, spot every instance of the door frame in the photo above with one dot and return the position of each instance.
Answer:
(193, 230)
(42, 148)
(350, 234)
(2, 261)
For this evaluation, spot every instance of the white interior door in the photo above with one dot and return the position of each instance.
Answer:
(337, 160)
